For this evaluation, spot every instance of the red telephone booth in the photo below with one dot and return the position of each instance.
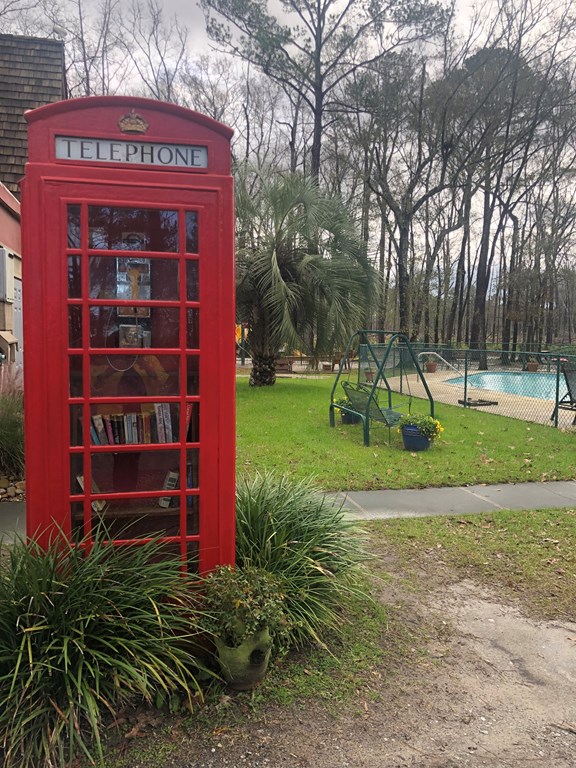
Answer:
(128, 291)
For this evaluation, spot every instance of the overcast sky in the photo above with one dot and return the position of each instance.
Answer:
(188, 13)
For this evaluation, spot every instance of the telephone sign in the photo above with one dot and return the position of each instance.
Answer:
(130, 152)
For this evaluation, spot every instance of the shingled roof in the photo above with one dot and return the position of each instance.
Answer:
(31, 75)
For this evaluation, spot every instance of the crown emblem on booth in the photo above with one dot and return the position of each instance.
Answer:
(133, 123)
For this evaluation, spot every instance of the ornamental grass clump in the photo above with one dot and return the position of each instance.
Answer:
(85, 631)
(11, 422)
(297, 533)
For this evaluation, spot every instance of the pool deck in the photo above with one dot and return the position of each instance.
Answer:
(517, 406)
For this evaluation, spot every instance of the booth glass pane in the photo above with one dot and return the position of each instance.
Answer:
(129, 471)
(135, 423)
(192, 328)
(111, 329)
(132, 229)
(74, 326)
(192, 292)
(77, 520)
(192, 467)
(76, 474)
(164, 280)
(134, 375)
(75, 375)
(76, 426)
(193, 432)
(74, 277)
(192, 515)
(192, 365)
(193, 557)
(171, 551)
(74, 226)
(134, 278)
(148, 519)
(191, 231)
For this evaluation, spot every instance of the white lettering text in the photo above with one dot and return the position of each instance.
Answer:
(131, 152)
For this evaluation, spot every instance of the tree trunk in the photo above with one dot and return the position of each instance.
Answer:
(403, 281)
(509, 297)
(461, 266)
(478, 328)
(263, 373)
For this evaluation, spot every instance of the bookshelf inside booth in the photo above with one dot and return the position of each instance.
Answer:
(134, 368)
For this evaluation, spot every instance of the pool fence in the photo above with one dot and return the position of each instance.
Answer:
(523, 385)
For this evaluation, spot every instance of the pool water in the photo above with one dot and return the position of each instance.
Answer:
(540, 385)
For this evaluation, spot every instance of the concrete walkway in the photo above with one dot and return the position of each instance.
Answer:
(466, 500)
(380, 505)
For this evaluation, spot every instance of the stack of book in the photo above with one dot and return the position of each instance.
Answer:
(141, 427)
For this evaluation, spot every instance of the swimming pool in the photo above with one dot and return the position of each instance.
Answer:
(539, 385)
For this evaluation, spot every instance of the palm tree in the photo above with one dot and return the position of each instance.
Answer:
(303, 280)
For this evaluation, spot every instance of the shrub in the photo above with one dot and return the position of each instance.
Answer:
(297, 533)
(83, 632)
(239, 603)
(11, 422)
(342, 401)
(428, 425)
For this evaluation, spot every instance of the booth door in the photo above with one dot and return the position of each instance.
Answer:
(138, 406)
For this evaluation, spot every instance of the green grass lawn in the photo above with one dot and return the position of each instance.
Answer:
(530, 555)
(285, 428)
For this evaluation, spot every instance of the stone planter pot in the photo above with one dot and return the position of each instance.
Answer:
(532, 367)
(245, 665)
(369, 376)
(431, 367)
(414, 440)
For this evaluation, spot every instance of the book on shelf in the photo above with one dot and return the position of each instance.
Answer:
(98, 423)
(146, 428)
(189, 411)
(98, 505)
(136, 434)
(137, 428)
(94, 435)
(127, 423)
(170, 484)
(153, 429)
(159, 413)
(108, 428)
(133, 422)
(117, 421)
(167, 416)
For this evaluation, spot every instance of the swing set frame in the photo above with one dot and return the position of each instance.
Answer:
(369, 409)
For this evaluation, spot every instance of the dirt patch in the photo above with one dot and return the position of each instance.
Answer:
(494, 689)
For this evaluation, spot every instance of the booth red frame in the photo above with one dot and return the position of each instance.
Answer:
(52, 184)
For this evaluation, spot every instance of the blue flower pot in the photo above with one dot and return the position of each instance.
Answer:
(349, 418)
(413, 439)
